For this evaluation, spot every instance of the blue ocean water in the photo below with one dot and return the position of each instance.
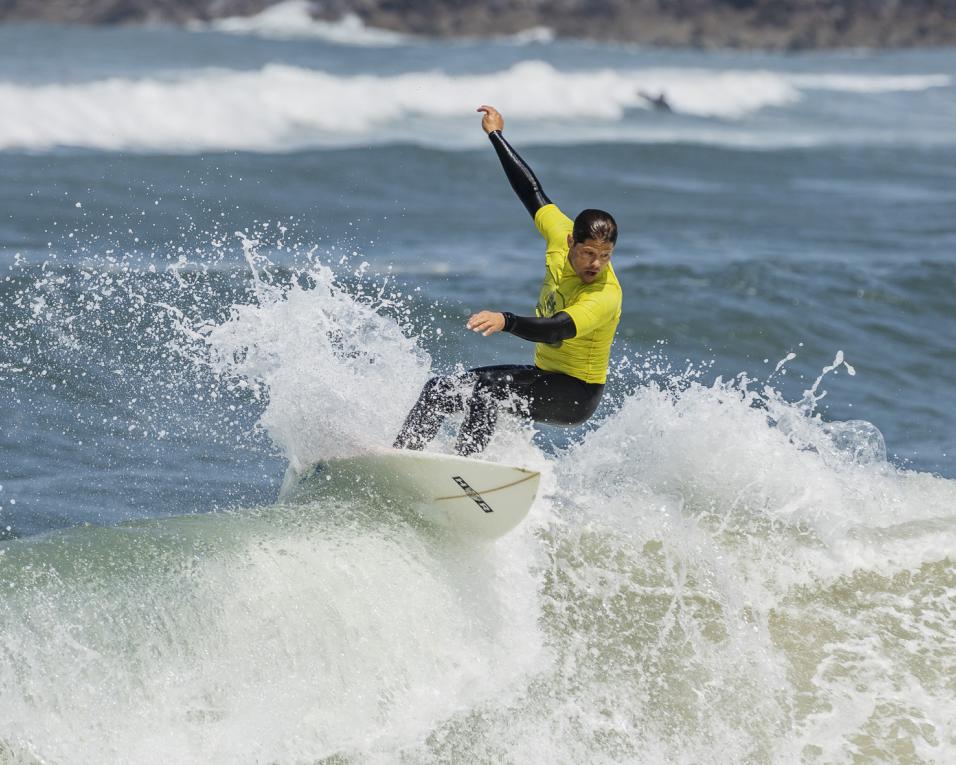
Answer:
(224, 249)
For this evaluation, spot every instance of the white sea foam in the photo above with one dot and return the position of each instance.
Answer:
(281, 107)
(710, 570)
(287, 643)
(863, 83)
(319, 356)
(531, 36)
(293, 20)
(723, 449)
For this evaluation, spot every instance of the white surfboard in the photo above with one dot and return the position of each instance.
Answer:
(472, 496)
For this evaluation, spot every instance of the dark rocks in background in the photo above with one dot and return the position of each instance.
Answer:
(787, 24)
(126, 11)
(773, 24)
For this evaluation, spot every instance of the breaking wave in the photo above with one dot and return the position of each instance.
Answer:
(283, 108)
(712, 574)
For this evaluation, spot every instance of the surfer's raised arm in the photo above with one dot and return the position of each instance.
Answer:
(522, 179)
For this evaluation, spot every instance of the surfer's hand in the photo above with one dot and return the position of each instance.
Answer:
(492, 119)
(486, 322)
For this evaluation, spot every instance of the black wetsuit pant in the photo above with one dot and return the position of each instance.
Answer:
(549, 397)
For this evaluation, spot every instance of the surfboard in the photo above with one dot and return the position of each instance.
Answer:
(475, 497)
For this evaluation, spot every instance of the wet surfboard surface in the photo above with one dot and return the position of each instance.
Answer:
(472, 496)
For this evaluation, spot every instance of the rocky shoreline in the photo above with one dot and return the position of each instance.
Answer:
(745, 24)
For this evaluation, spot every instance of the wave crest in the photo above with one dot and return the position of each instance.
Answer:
(283, 108)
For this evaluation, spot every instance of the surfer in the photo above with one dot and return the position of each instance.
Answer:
(577, 314)
(659, 102)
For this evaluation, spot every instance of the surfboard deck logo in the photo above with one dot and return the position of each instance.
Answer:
(478, 499)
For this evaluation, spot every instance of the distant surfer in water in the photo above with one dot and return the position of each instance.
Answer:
(577, 314)
(659, 102)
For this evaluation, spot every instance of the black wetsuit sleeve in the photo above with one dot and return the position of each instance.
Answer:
(522, 180)
(540, 330)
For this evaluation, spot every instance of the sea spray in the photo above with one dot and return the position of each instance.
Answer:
(178, 639)
(695, 585)
(700, 577)
(709, 575)
(274, 635)
(248, 343)
(340, 376)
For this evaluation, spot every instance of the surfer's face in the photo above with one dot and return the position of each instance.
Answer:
(589, 258)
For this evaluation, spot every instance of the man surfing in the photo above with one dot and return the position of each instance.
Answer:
(577, 314)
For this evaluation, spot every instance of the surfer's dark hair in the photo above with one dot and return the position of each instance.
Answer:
(595, 224)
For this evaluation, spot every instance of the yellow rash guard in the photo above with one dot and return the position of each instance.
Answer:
(595, 308)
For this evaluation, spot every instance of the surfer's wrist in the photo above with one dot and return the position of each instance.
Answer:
(510, 320)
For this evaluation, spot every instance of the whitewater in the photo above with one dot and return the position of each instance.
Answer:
(711, 574)
(284, 108)
(208, 275)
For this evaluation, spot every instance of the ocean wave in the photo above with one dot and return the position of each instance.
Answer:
(712, 568)
(862, 83)
(282, 108)
(292, 20)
